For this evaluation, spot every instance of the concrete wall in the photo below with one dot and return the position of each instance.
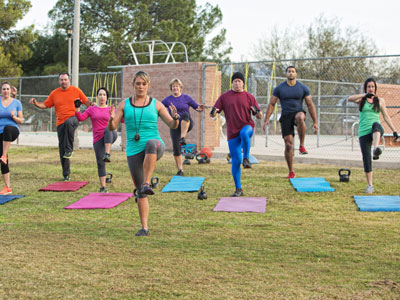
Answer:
(191, 76)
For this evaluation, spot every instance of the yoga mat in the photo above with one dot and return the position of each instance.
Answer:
(252, 160)
(183, 184)
(242, 204)
(311, 184)
(65, 186)
(377, 203)
(100, 200)
(7, 198)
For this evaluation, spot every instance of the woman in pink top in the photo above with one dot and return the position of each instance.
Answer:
(102, 137)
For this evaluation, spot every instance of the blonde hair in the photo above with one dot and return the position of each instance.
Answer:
(175, 80)
(143, 75)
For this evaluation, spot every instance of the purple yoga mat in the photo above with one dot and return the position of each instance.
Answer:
(65, 186)
(100, 200)
(242, 204)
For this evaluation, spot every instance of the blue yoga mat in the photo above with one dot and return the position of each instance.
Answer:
(7, 198)
(183, 184)
(252, 160)
(378, 203)
(311, 184)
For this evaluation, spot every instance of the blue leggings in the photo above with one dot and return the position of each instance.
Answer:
(235, 148)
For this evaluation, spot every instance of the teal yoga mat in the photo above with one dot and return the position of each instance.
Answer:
(311, 184)
(377, 203)
(183, 184)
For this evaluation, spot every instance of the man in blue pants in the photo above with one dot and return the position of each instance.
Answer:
(238, 106)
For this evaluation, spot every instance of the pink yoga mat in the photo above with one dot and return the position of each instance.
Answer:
(242, 204)
(100, 200)
(65, 186)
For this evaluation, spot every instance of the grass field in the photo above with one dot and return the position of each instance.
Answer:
(306, 245)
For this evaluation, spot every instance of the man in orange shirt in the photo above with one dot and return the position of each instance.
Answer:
(63, 99)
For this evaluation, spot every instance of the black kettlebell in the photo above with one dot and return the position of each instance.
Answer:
(108, 178)
(154, 182)
(202, 158)
(344, 175)
(202, 194)
(189, 155)
(186, 162)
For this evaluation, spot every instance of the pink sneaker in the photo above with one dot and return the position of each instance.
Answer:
(291, 175)
(6, 191)
(303, 150)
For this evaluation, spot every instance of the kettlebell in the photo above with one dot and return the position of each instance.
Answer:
(344, 175)
(202, 158)
(154, 182)
(108, 178)
(202, 194)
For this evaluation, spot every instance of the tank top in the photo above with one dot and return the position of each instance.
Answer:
(143, 121)
(367, 117)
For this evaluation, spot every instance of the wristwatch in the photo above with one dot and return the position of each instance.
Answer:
(175, 117)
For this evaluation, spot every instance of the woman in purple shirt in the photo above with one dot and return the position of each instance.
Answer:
(182, 102)
(102, 137)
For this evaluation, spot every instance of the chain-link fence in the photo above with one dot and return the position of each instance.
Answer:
(331, 81)
(40, 87)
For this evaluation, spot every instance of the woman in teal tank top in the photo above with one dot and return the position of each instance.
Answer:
(370, 129)
(144, 145)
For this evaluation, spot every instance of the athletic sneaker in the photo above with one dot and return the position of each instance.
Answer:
(3, 159)
(107, 157)
(103, 189)
(238, 193)
(246, 163)
(377, 153)
(182, 141)
(65, 178)
(291, 175)
(6, 191)
(146, 189)
(143, 232)
(68, 155)
(369, 189)
(180, 173)
(303, 150)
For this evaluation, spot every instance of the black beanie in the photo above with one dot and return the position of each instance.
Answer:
(237, 75)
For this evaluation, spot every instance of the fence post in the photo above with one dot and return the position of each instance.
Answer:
(319, 112)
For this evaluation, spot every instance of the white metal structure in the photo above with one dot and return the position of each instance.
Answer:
(166, 49)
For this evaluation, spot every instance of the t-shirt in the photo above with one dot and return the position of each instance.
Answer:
(5, 114)
(291, 97)
(368, 116)
(142, 120)
(63, 102)
(99, 117)
(182, 103)
(236, 106)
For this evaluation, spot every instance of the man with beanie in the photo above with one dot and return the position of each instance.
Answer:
(238, 106)
(291, 94)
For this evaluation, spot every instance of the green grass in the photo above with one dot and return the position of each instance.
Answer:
(306, 245)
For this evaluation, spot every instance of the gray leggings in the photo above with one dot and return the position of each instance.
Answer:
(135, 162)
(99, 150)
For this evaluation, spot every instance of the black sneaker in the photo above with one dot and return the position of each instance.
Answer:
(180, 173)
(146, 189)
(107, 157)
(377, 153)
(103, 189)
(68, 155)
(238, 193)
(66, 178)
(143, 232)
(182, 141)
(246, 163)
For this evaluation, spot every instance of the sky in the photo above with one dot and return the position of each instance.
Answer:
(249, 21)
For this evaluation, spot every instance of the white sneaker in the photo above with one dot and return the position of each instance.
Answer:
(369, 189)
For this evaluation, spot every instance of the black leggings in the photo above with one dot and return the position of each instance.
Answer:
(365, 145)
(135, 162)
(99, 150)
(176, 133)
(10, 134)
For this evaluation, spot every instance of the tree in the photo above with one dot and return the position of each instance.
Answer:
(109, 25)
(14, 43)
